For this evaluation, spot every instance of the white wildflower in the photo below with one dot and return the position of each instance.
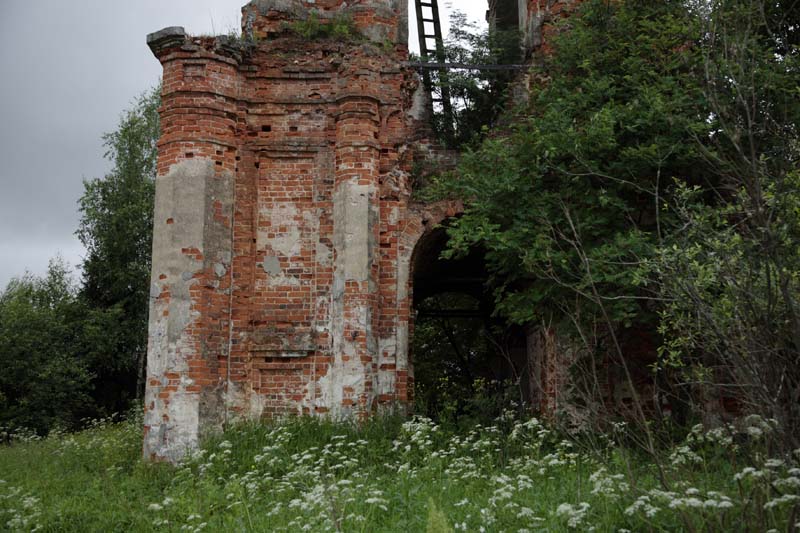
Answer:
(575, 514)
(789, 483)
(783, 500)
(608, 485)
(642, 504)
(683, 455)
(749, 472)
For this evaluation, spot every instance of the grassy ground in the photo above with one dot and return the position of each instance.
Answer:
(395, 475)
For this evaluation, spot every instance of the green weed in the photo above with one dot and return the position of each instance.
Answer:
(394, 474)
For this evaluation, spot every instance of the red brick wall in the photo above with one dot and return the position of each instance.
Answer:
(295, 290)
(284, 224)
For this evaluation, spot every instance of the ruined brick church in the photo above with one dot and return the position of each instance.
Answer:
(287, 245)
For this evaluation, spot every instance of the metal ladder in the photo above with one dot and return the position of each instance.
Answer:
(428, 11)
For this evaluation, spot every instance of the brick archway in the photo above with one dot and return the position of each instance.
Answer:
(420, 221)
(462, 340)
(284, 226)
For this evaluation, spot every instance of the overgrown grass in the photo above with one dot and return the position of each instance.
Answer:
(90, 481)
(339, 27)
(392, 474)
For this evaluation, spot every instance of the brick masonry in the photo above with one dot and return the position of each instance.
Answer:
(284, 226)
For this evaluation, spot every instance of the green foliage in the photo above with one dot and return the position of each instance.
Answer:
(729, 269)
(93, 480)
(116, 229)
(45, 381)
(604, 135)
(478, 97)
(393, 475)
(437, 521)
(651, 185)
(340, 27)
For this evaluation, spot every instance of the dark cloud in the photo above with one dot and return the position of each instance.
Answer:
(68, 70)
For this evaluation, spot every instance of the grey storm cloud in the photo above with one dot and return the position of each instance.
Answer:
(67, 71)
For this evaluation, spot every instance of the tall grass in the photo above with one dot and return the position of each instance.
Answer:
(393, 474)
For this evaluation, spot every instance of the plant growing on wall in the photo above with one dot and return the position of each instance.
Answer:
(340, 27)
(478, 97)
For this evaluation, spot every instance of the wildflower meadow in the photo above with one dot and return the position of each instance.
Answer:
(399, 474)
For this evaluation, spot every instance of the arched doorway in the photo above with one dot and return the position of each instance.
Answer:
(465, 361)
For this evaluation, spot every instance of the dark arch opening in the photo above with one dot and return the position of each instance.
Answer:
(467, 363)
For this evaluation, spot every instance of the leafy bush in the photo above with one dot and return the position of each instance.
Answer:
(339, 27)
(651, 186)
(116, 228)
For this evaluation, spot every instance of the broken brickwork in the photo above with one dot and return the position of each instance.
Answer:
(284, 225)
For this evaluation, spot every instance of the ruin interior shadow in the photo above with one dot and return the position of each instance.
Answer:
(468, 365)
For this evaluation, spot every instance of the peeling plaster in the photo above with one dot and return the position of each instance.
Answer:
(272, 265)
(351, 230)
(283, 220)
(186, 195)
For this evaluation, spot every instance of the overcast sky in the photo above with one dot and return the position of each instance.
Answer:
(67, 71)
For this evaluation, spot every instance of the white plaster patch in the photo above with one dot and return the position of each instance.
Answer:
(386, 350)
(332, 385)
(351, 229)
(282, 280)
(284, 224)
(403, 268)
(401, 334)
(324, 254)
(181, 195)
(387, 382)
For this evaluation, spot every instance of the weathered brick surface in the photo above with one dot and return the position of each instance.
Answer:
(542, 17)
(284, 226)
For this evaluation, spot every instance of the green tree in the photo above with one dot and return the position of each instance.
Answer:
(652, 185)
(116, 229)
(46, 380)
(478, 97)
(566, 200)
(730, 269)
